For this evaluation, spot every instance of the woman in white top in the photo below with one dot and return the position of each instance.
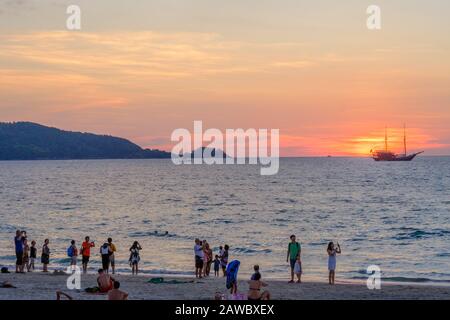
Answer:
(135, 257)
(332, 251)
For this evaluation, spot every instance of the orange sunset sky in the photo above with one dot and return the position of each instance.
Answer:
(140, 69)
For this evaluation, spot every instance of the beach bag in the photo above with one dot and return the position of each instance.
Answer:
(104, 250)
(70, 251)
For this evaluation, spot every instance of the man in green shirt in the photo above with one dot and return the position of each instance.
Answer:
(294, 251)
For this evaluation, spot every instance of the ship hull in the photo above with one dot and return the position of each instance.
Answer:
(397, 158)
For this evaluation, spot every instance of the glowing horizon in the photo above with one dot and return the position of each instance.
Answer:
(331, 88)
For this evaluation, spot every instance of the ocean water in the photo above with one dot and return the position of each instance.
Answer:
(394, 215)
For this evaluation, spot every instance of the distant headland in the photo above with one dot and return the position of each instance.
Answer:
(32, 141)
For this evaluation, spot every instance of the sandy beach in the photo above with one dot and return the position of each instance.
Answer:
(39, 286)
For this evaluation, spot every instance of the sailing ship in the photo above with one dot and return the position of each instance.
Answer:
(386, 155)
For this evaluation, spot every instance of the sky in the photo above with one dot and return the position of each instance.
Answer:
(312, 69)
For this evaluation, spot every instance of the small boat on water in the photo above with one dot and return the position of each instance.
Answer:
(386, 155)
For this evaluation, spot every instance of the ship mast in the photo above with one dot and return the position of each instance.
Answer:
(404, 138)
(385, 139)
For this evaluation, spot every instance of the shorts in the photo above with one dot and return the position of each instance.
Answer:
(112, 261)
(85, 260)
(45, 259)
(19, 258)
(198, 262)
(73, 260)
(293, 261)
(105, 262)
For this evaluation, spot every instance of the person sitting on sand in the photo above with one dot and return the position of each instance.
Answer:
(45, 256)
(105, 281)
(116, 294)
(294, 250)
(254, 289)
(256, 271)
(332, 251)
(135, 257)
(33, 254)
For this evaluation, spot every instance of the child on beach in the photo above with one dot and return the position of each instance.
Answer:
(72, 252)
(45, 256)
(33, 254)
(256, 272)
(332, 251)
(216, 266)
(298, 269)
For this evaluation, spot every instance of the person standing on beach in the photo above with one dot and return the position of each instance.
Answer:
(72, 252)
(207, 258)
(45, 256)
(86, 252)
(294, 251)
(135, 257)
(198, 253)
(33, 254)
(18, 243)
(224, 259)
(216, 266)
(26, 254)
(332, 251)
(105, 251)
(298, 269)
(112, 260)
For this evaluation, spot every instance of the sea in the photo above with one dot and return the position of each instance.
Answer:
(395, 215)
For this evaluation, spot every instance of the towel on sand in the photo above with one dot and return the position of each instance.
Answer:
(161, 280)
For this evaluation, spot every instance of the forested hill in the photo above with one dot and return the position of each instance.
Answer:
(31, 141)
